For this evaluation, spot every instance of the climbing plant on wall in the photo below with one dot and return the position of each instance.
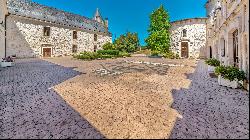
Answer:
(159, 34)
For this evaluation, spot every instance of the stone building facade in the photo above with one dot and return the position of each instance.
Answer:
(34, 30)
(228, 32)
(188, 37)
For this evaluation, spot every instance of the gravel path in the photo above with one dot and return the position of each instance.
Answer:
(30, 109)
(209, 110)
(68, 98)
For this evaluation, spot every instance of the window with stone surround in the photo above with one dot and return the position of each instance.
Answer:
(74, 49)
(235, 48)
(74, 34)
(184, 33)
(223, 49)
(95, 37)
(46, 31)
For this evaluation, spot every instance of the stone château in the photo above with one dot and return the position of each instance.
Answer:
(228, 32)
(28, 29)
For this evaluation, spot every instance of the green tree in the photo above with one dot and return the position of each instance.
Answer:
(127, 42)
(159, 34)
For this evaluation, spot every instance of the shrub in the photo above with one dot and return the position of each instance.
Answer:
(231, 73)
(108, 52)
(212, 62)
(128, 42)
(124, 54)
(8, 59)
(109, 46)
(88, 55)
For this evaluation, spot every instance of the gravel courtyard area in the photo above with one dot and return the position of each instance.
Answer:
(135, 97)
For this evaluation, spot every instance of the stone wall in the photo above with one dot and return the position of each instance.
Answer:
(196, 36)
(3, 11)
(25, 38)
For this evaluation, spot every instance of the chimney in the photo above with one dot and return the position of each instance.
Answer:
(106, 22)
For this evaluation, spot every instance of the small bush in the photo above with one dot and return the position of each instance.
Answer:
(231, 73)
(109, 46)
(124, 54)
(108, 52)
(212, 62)
(88, 55)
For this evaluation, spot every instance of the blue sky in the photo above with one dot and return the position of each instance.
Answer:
(130, 15)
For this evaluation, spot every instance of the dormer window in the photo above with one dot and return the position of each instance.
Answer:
(184, 33)
(46, 31)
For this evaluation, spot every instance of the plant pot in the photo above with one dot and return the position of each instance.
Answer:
(227, 83)
(213, 75)
(210, 69)
(246, 85)
(7, 64)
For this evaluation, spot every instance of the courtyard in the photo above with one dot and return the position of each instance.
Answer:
(136, 97)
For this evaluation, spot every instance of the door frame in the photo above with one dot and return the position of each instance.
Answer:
(187, 48)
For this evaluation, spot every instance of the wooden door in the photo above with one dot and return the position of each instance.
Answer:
(184, 49)
(46, 52)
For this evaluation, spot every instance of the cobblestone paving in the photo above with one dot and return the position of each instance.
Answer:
(209, 110)
(66, 98)
(30, 109)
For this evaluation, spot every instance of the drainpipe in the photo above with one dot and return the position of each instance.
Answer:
(5, 29)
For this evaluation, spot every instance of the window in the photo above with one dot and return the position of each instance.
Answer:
(74, 34)
(95, 37)
(223, 49)
(95, 47)
(235, 48)
(184, 33)
(74, 49)
(46, 31)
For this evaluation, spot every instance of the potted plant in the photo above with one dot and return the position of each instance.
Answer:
(7, 62)
(212, 63)
(246, 84)
(229, 76)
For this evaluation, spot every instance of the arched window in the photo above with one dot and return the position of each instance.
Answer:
(184, 33)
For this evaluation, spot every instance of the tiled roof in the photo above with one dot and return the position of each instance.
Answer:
(30, 9)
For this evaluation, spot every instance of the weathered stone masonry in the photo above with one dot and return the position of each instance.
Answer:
(25, 30)
(195, 36)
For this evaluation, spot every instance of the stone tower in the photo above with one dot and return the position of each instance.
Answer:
(3, 13)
